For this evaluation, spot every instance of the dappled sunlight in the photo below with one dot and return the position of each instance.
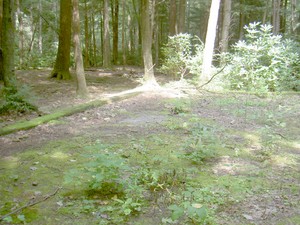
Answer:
(10, 162)
(283, 160)
(59, 155)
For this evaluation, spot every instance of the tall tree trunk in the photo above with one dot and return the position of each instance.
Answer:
(94, 41)
(181, 16)
(8, 39)
(283, 6)
(294, 21)
(210, 41)
(86, 36)
(123, 33)
(106, 38)
(81, 82)
(40, 44)
(242, 20)
(62, 64)
(147, 43)
(276, 16)
(115, 22)
(226, 25)
(1, 55)
(21, 33)
(172, 17)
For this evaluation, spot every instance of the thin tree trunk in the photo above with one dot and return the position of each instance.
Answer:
(115, 23)
(106, 38)
(276, 17)
(147, 43)
(40, 44)
(123, 33)
(62, 64)
(86, 36)
(225, 26)
(81, 82)
(94, 41)
(283, 6)
(21, 33)
(181, 16)
(8, 38)
(210, 41)
(242, 20)
(172, 18)
(1, 56)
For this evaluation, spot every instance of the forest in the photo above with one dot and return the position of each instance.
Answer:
(150, 112)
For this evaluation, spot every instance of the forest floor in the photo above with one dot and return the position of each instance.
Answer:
(173, 155)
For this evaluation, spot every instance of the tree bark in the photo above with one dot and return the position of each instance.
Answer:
(8, 42)
(181, 16)
(62, 64)
(210, 41)
(86, 36)
(123, 33)
(1, 56)
(225, 26)
(106, 38)
(21, 33)
(147, 43)
(172, 18)
(276, 17)
(81, 82)
(115, 23)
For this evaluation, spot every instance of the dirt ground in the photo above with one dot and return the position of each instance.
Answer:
(142, 115)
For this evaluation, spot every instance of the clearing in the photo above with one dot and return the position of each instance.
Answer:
(170, 156)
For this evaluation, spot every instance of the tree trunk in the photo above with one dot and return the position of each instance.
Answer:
(62, 64)
(172, 18)
(283, 16)
(106, 38)
(123, 33)
(276, 17)
(21, 33)
(8, 42)
(86, 36)
(242, 20)
(210, 41)
(225, 26)
(181, 16)
(1, 55)
(147, 43)
(81, 82)
(115, 22)
(94, 41)
(40, 44)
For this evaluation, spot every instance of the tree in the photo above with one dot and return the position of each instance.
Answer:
(172, 18)
(81, 82)
(181, 16)
(86, 36)
(106, 38)
(147, 43)
(115, 24)
(210, 41)
(276, 16)
(1, 56)
(225, 25)
(62, 63)
(8, 42)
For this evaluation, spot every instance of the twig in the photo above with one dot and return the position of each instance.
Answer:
(29, 204)
(213, 77)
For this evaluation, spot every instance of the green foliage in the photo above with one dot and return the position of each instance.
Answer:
(15, 100)
(263, 62)
(182, 56)
(201, 144)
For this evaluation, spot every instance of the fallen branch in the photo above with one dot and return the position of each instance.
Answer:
(29, 204)
(213, 77)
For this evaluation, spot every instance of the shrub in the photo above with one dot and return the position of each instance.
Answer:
(263, 61)
(182, 56)
(15, 100)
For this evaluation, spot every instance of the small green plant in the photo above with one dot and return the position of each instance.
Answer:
(263, 62)
(201, 144)
(15, 100)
